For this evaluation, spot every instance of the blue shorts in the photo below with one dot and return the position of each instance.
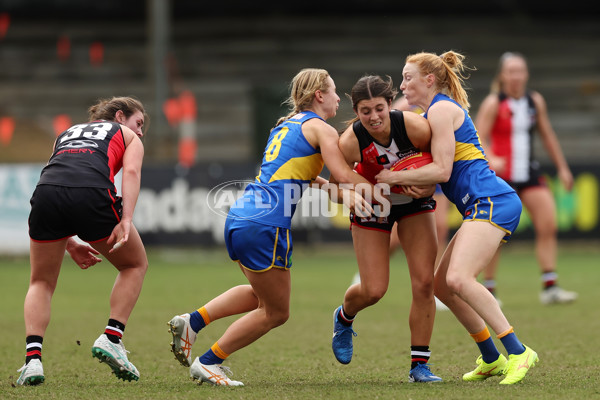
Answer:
(258, 247)
(502, 211)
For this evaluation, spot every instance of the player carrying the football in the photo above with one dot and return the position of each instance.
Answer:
(376, 139)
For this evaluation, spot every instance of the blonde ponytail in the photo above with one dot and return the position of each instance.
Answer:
(303, 89)
(449, 71)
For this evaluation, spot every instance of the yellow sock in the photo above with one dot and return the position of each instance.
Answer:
(218, 351)
(481, 336)
(204, 315)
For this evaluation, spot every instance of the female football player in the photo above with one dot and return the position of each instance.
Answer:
(490, 207)
(376, 139)
(257, 229)
(76, 195)
(506, 121)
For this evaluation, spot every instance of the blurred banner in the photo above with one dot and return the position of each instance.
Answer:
(17, 182)
(187, 207)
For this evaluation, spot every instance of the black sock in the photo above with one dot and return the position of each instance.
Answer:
(419, 355)
(114, 330)
(33, 348)
(345, 319)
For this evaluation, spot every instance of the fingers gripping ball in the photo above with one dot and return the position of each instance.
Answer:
(413, 161)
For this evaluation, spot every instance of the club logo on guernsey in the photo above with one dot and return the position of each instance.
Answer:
(223, 196)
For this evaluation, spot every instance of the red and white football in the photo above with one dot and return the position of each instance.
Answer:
(414, 161)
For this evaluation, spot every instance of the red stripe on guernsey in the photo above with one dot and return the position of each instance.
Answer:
(34, 352)
(501, 137)
(116, 148)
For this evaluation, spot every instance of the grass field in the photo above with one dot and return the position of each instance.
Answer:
(295, 361)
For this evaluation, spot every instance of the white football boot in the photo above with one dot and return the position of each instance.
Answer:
(115, 355)
(183, 338)
(32, 373)
(213, 374)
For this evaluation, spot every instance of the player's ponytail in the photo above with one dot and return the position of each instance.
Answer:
(303, 89)
(455, 77)
(449, 71)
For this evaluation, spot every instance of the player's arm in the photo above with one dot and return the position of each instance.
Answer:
(132, 172)
(551, 142)
(335, 161)
(82, 254)
(484, 121)
(343, 180)
(320, 181)
(348, 145)
(419, 133)
(441, 118)
(132, 175)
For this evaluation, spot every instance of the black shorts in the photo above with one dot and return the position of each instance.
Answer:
(535, 179)
(397, 212)
(59, 212)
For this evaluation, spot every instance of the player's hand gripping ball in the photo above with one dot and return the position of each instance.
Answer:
(413, 161)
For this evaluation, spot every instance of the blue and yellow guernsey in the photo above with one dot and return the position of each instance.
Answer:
(471, 176)
(289, 165)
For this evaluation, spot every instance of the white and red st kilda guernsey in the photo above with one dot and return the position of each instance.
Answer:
(512, 136)
(376, 156)
(86, 155)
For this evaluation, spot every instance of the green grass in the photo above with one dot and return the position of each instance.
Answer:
(295, 360)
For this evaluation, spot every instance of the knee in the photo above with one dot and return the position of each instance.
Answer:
(44, 285)
(372, 295)
(546, 230)
(545, 225)
(139, 267)
(278, 318)
(455, 283)
(143, 267)
(422, 287)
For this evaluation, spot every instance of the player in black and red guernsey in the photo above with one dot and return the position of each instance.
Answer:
(377, 139)
(76, 195)
(507, 121)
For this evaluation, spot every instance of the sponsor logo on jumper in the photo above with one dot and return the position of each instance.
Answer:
(76, 151)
